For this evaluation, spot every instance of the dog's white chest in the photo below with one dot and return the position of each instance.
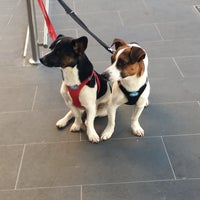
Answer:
(70, 76)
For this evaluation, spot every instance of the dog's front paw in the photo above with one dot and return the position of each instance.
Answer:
(94, 138)
(61, 123)
(106, 135)
(137, 129)
(75, 127)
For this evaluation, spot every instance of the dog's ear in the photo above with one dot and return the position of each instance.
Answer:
(80, 45)
(52, 46)
(137, 54)
(118, 43)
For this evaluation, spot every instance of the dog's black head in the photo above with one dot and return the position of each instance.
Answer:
(65, 52)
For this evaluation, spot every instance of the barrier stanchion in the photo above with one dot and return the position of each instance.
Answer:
(33, 32)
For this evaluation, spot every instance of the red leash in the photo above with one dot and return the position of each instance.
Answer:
(51, 30)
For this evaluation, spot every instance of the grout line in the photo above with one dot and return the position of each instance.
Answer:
(174, 102)
(14, 112)
(179, 69)
(20, 166)
(40, 188)
(10, 20)
(182, 135)
(34, 98)
(127, 182)
(100, 184)
(81, 192)
(170, 163)
(120, 18)
(112, 139)
(158, 30)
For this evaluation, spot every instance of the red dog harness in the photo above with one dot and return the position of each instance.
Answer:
(74, 91)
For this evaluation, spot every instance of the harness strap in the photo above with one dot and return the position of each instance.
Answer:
(132, 97)
(74, 91)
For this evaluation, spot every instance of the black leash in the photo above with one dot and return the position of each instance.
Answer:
(81, 23)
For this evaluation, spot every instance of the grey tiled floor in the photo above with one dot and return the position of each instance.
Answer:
(37, 161)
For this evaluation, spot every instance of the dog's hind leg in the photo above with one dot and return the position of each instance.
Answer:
(63, 122)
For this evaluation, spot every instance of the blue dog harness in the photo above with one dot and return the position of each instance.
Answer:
(132, 97)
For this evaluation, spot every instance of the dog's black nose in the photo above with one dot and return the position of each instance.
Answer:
(106, 76)
(43, 61)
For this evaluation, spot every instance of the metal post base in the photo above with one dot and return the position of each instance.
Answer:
(34, 62)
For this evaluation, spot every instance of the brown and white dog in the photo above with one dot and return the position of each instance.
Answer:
(131, 86)
(82, 87)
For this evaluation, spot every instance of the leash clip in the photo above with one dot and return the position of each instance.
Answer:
(110, 50)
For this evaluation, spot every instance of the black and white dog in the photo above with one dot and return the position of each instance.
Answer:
(82, 87)
(129, 72)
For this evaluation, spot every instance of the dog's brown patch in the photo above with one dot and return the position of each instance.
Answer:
(134, 69)
(130, 62)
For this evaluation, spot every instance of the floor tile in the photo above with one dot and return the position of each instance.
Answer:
(91, 19)
(189, 66)
(172, 48)
(85, 163)
(17, 98)
(135, 33)
(10, 157)
(34, 127)
(19, 76)
(169, 30)
(97, 6)
(158, 119)
(163, 68)
(42, 194)
(166, 11)
(177, 190)
(174, 90)
(49, 97)
(184, 154)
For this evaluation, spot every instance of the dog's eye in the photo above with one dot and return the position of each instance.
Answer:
(121, 63)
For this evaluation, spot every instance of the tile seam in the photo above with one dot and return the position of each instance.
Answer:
(20, 166)
(170, 163)
(112, 139)
(179, 69)
(158, 31)
(101, 184)
(34, 99)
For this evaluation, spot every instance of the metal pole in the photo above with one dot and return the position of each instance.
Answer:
(45, 41)
(33, 32)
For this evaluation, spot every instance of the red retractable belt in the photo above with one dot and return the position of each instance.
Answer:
(51, 30)
(74, 92)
